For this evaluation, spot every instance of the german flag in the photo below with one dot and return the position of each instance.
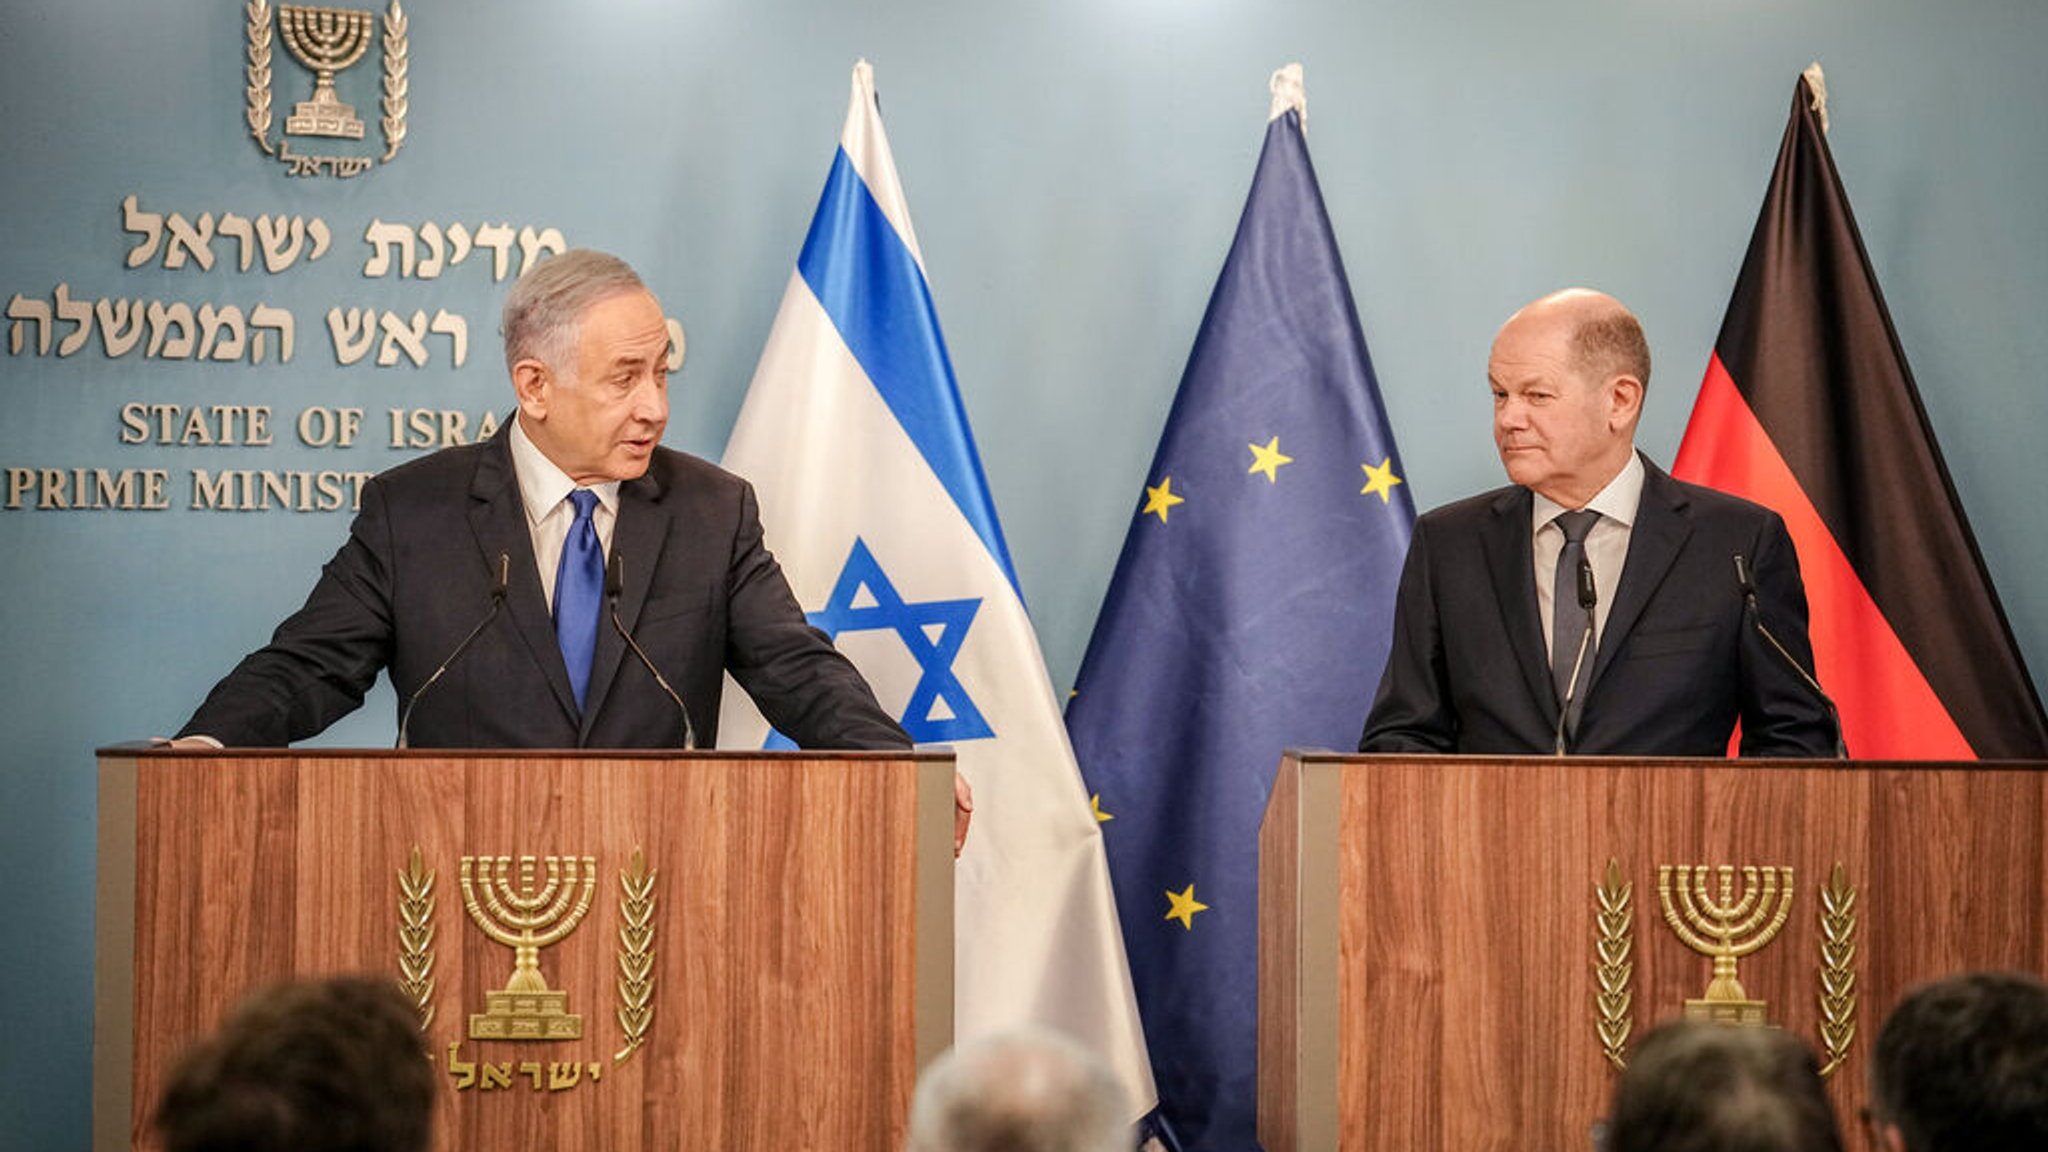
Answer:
(1808, 407)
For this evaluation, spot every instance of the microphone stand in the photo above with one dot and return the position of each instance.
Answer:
(614, 584)
(1588, 597)
(504, 581)
(1756, 619)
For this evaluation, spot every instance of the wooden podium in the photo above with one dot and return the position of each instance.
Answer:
(797, 975)
(1433, 940)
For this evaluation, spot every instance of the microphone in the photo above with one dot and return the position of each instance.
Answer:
(498, 588)
(614, 584)
(1744, 581)
(1588, 597)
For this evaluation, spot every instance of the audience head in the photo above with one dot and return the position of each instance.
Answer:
(330, 1065)
(1023, 1091)
(1697, 1087)
(1962, 1063)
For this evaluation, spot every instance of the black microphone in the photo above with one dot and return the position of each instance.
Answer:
(1756, 619)
(498, 589)
(1588, 597)
(614, 584)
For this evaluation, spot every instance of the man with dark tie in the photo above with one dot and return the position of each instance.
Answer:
(1595, 605)
(573, 510)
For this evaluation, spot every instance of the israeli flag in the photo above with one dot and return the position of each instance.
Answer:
(873, 499)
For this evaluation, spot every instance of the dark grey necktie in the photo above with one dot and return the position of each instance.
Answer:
(1569, 622)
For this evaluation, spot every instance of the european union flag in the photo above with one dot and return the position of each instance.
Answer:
(1251, 611)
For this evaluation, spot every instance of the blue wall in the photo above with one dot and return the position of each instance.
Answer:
(1074, 170)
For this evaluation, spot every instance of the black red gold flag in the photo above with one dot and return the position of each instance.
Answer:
(1808, 407)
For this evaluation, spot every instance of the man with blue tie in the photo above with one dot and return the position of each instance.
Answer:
(571, 512)
(1595, 605)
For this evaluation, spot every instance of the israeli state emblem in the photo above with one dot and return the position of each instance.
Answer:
(327, 43)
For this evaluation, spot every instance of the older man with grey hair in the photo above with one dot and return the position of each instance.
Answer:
(546, 587)
(1595, 604)
(1023, 1091)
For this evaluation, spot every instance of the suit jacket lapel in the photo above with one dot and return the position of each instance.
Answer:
(637, 539)
(1514, 589)
(1660, 530)
(497, 516)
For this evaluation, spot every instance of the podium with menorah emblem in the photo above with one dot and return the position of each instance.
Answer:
(1458, 953)
(609, 950)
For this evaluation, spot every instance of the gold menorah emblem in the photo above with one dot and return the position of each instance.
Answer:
(326, 41)
(1725, 926)
(527, 916)
(1717, 926)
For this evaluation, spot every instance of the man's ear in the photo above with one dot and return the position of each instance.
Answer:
(1625, 402)
(531, 383)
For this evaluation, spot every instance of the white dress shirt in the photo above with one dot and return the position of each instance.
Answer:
(1606, 544)
(544, 489)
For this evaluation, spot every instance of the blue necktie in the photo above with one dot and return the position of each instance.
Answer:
(579, 589)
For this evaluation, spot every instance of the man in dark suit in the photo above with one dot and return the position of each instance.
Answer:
(1493, 643)
(571, 509)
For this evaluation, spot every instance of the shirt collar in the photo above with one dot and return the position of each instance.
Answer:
(1619, 501)
(542, 485)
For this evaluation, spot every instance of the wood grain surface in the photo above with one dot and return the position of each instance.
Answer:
(789, 903)
(1463, 897)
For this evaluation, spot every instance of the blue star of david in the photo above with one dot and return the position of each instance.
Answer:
(933, 631)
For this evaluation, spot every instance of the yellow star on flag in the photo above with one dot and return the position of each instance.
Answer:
(1095, 806)
(1160, 499)
(1184, 907)
(1380, 480)
(1268, 460)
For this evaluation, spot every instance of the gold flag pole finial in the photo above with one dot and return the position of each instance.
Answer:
(1819, 83)
(1289, 92)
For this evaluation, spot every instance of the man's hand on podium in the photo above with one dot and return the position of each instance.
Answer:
(963, 811)
(187, 743)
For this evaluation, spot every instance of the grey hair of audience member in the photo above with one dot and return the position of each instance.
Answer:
(546, 305)
(1962, 1063)
(1024, 1091)
(1697, 1087)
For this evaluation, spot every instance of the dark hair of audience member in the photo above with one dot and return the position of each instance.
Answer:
(1962, 1063)
(331, 1065)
